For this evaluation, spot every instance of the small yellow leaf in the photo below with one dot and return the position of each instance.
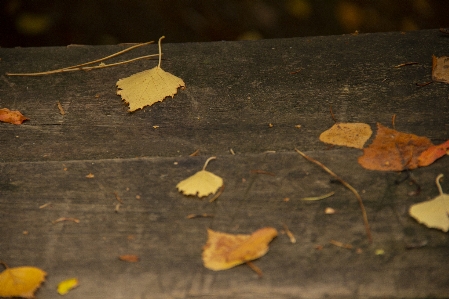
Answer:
(433, 213)
(224, 251)
(148, 87)
(21, 281)
(66, 285)
(201, 183)
(347, 134)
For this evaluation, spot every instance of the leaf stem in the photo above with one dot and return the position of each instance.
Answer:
(359, 199)
(160, 51)
(437, 181)
(207, 161)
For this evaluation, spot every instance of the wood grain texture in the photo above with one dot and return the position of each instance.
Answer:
(233, 91)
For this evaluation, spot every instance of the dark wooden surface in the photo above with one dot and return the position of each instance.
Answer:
(234, 90)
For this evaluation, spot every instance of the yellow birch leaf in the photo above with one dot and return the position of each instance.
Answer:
(148, 87)
(66, 285)
(347, 134)
(21, 281)
(224, 251)
(433, 213)
(201, 183)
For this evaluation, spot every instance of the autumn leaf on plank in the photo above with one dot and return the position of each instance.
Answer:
(393, 151)
(440, 69)
(12, 117)
(201, 183)
(148, 87)
(21, 281)
(347, 134)
(433, 213)
(224, 251)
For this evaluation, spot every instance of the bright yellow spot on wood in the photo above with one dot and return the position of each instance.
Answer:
(148, 87)
(379, 252)
(433, 213)
(201, 183)
(66, 285)
(20, 281)
(347, 134)
(223, 251)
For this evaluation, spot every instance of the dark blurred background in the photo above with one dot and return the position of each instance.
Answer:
(61, 22)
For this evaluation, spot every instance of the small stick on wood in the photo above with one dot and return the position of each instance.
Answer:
(66, 219)
(289, 234)
(359, 199)
(392, 121)
(195, 153)
(61, 110)
(332, 114)
(218, 194)
(259, 171)
(405, 64)
(117, 197)
(255, 269)
(340, 244)
(192, 216)
(295, 72)
(423, 84)
(45, 205)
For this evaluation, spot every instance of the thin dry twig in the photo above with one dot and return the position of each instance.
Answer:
(61, 110)
(255, 269)
(260, 171)
(81, 66)
(192, 216)
(118, 197)
(405, 64)
(195, 153)
(341, 244)
(295, 72)
(359, 199)
(332, 114)
(66, 219)
(289, 234)
(393, 119)
(423, 84)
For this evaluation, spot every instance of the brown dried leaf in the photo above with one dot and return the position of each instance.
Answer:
(393, 151)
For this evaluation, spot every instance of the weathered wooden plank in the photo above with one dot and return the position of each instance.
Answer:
(155, 228)
(234, 91)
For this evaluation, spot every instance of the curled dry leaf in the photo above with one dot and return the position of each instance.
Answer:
(21, 281)
(347, 134)
(67, 285)
(393, 151)
(224, 251)
(433, 213)
(201, 183)
(12, 116)
(148, 87)
(440, 69)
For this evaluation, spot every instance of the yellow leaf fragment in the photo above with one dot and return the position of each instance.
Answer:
(148, 87)
(21, 281)
(201, 183)
(440, 69)
(433, 213)
(224, 251)
(66, 285)
(347, 134)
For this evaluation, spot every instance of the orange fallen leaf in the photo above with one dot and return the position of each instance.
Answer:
(433, 153)
(12, 116)
(440, 69)
(347, 134)
(224, 251)
(21, 281)
(131, 258)
(393, 151)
